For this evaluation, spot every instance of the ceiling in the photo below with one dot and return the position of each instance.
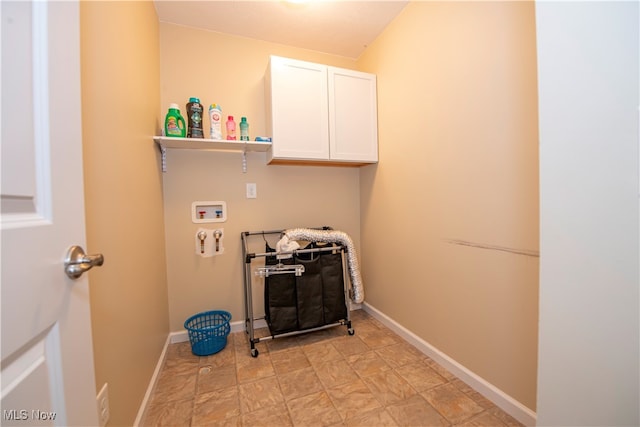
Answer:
(339, 27)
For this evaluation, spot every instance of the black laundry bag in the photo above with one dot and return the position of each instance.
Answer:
(280, 300)
(302, 302)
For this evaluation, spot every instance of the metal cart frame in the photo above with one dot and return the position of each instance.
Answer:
(248, 257)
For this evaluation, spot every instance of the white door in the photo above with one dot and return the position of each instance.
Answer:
(299, 112)
(47, 357)
(353, 115)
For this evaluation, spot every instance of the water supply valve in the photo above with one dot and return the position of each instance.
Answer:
(207, 211)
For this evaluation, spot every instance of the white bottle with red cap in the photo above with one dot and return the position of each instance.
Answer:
(215, 120)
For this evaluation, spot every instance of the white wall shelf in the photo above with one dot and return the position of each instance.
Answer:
(206, 144)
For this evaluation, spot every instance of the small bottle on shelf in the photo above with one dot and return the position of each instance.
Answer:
(231, 129)
(244, 129)
(215, 118)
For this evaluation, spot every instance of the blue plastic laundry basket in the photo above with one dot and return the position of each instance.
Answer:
(208, 331)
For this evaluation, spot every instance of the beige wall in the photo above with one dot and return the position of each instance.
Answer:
(229, 71)
(123, 191)
(457, 109)
(458, 160)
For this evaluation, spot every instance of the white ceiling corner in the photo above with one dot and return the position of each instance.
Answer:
(339, 27)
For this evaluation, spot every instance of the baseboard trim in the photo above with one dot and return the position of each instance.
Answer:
(238, 326)
(501, 399)
(152, 383)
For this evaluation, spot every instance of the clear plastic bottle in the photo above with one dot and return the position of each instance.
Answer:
(244, 129)
(231, 129)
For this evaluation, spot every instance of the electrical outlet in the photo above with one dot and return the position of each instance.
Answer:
(103, 405)
(252, 190)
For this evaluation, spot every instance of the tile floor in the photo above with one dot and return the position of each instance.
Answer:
(322, 378)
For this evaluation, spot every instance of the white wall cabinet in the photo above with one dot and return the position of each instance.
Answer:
(317, 113)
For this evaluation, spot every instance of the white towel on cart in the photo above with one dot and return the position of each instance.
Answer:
(286, 245)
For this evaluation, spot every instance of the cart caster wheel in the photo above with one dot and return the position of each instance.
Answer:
(254, 352)
(350, 331)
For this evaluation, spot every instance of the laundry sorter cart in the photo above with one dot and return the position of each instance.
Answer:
(305, 290)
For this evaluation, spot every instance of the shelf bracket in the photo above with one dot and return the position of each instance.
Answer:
(163, 151)
(244, 158)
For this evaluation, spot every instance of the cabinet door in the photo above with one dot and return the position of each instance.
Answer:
(353, 116)
(299, 111)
